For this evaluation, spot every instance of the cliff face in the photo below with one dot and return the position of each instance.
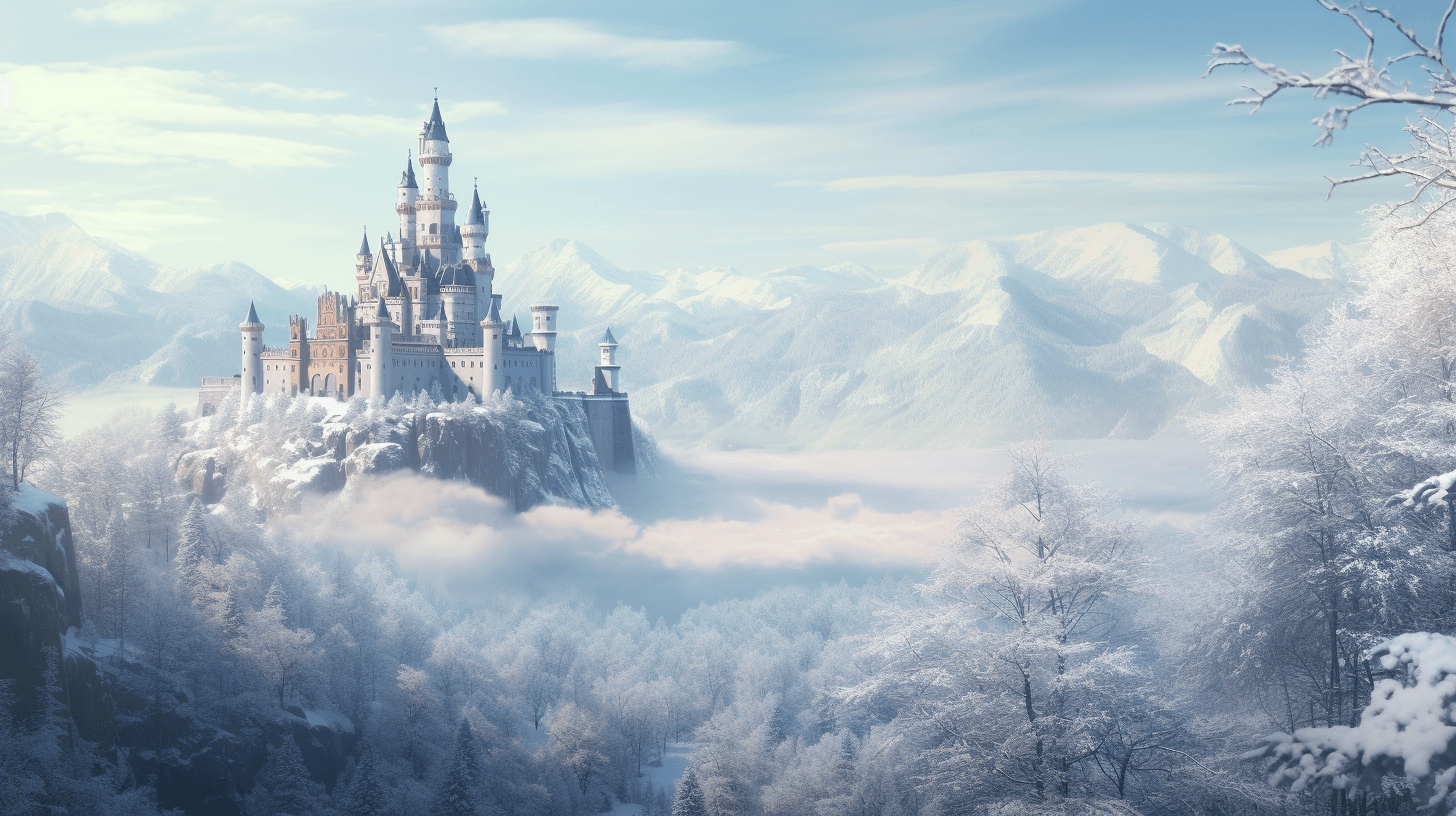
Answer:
(529, 452)
(198, 765)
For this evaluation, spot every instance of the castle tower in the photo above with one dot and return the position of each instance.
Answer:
(364, 263)
(252, 375)
(493, 336)
(381, 338)
(408, 194)
(606, 374)
(435, 209)
(475, 230)
(543, 334)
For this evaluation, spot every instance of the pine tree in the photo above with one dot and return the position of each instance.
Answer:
(778, 723)
(457, 795)
(192, 544)
(287, 788)
(277, 599)
(365, 797)
(689, 800)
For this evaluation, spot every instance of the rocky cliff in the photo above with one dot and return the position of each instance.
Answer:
(287, 449)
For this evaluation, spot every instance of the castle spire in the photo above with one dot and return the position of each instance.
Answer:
(476, 216)
(252, 315)
(435, 128)
(407, 178)
(364, 245)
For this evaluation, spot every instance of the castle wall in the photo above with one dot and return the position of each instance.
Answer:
(609, 418)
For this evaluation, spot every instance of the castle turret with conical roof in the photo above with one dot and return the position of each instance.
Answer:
(435, 210)
(605, 380)
(252, 368)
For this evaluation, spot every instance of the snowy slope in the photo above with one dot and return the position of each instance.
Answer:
(93, 311)
(1108, 330)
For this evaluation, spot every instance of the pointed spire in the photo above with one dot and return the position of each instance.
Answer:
(252, 315)
(494, 316)
(440, 312)
(476, 217)
(435, 128)
(380, 311)
(364, 245)
(407, 178)
(608, 339)
(515, 327)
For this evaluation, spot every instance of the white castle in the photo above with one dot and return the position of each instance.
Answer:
(425, 318)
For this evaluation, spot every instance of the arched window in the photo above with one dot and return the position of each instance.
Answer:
(434, 228)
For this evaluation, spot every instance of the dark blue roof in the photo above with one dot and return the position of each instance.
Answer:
(476, 216)
(608, 338)
(435, 128)
(252, 314)
(364, 245)
(407, 178)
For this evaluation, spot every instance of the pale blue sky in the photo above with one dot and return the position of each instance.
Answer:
(666, 135)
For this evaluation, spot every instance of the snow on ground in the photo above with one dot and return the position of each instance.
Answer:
(33, 500)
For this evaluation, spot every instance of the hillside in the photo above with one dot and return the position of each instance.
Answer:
(1102, 331)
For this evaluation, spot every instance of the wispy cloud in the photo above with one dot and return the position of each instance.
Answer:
(1027, 179)
(138, 115)
(131, 12)
(555, 38)
(883, 245)
(302, 94)
(465, 111)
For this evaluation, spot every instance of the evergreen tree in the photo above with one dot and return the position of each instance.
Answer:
(365, 797)
(284, 787)
(778, 723)
(457, 795)
(192, 544)
(689, 800)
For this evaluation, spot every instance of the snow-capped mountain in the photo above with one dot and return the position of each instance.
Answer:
(91, 310)
(1110, 330)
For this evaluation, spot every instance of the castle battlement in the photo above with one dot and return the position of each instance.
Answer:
(425, 318)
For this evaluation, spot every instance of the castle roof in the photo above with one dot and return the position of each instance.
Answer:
(515, 327)
(393, 286)
(364, 245)
(607, 338)
(380, 311)
(252, 314)
(494, 316)
(476, 217)
(435, 128)
(440, 312)
(407, 178)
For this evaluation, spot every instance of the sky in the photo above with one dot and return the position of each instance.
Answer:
(667, 135)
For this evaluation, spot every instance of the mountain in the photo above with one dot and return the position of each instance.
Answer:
(1109, 330)
(1090, 332)
(92, 311)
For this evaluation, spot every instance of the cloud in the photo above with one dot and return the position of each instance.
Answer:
(884, 245)
(615, 140)
(304, 94)
(554, 38)
(137, 224)
(456, 526)
(465, 111)
(131, 12)
(1026, 179)
(139, 115)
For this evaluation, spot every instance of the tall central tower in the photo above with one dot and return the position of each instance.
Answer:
(435, 208)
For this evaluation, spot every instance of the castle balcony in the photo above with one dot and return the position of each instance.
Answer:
(447, 202)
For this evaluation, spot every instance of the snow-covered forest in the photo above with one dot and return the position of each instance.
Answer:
(175, 637)
(1050, 662)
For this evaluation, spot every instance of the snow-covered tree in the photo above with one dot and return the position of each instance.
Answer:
(1363, 78)
(576, 742)
(28, 410)
(456, 796)
(688, 801)
(280, 653)
(284, 787)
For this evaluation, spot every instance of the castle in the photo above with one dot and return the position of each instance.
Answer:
(425, 317)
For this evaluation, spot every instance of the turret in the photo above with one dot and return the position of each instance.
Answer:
(435, 155)
(252, 374)
(493, 337)
(364, 262)
(476, 229)
(381, 338)
(408, 194)
(543, 327)
(607, 369)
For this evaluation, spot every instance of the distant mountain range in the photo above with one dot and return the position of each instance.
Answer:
(1109, 330)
